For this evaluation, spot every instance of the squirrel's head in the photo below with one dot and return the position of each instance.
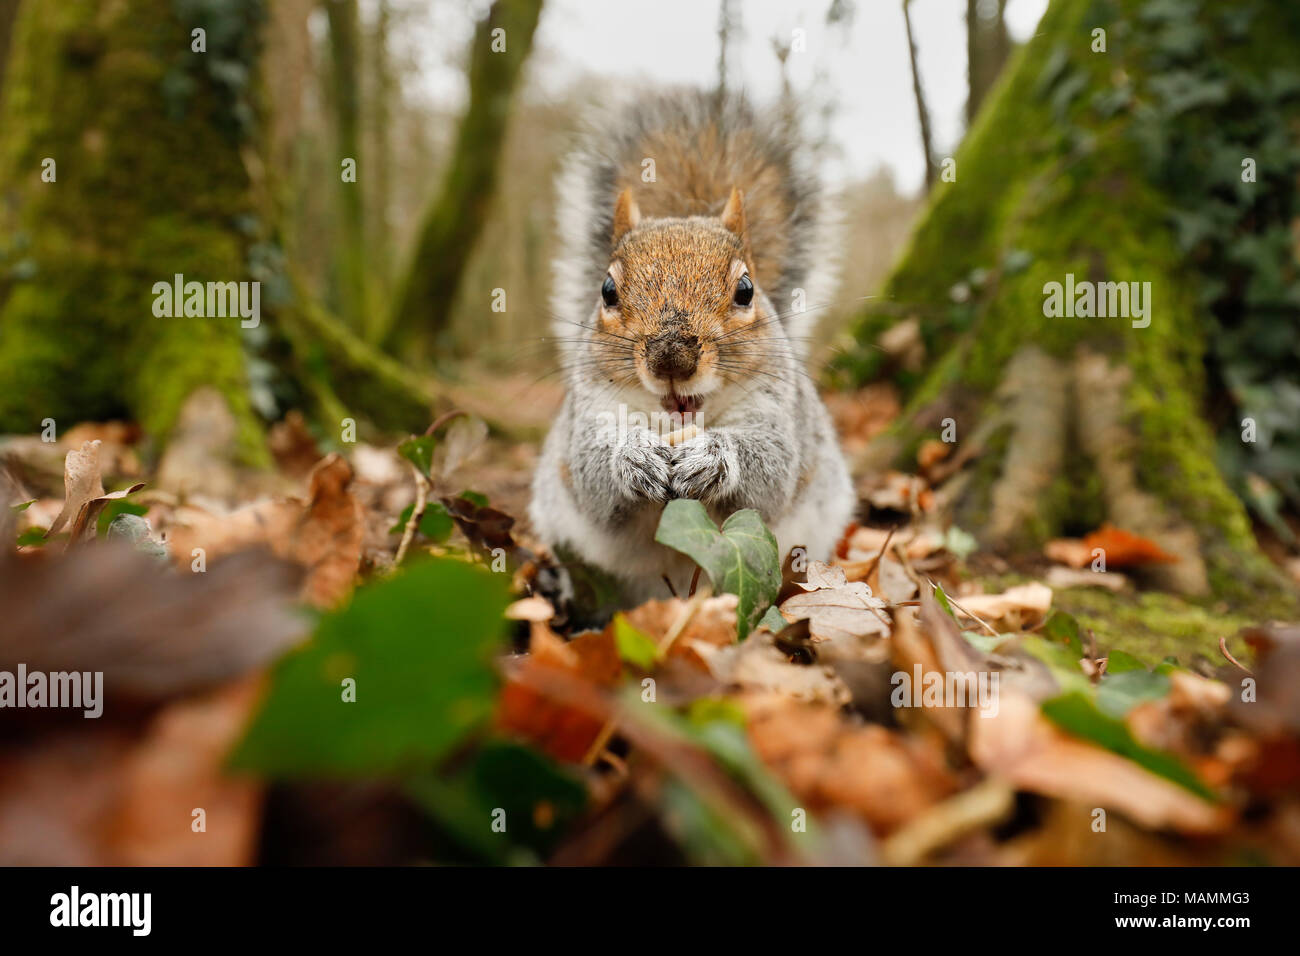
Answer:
(679, 305)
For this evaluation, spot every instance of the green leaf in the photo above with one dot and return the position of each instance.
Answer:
(1119, 693)
(436, 524)
(1064, 629)
(419, 452)
(634, 645)
(943, 601)
(1060, 660)
(985, 643)
(1120, 662)
(742, 559)
(32, 536)
(477, 497)
(22, 506)
(772, 620)
(420, 648)
(537, 796)
(1076, 713)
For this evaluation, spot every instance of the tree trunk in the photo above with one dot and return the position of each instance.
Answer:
(143, 141)
(1065, 422)
(345, 89)
(987, 47)
(922, 111)
(451, 226)
(8, 13)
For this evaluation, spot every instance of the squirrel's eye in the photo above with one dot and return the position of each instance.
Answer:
(609, 293)
(744, 291)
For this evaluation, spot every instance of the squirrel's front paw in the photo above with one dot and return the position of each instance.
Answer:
(705, 468)
(644, 470)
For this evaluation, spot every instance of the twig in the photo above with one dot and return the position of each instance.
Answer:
(443, 419)
(1223, 646)
(966, 612)
(695, 581)
(417, 515)
(881, 553)
(679, 625)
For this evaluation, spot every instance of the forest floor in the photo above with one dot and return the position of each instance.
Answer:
(914, 700)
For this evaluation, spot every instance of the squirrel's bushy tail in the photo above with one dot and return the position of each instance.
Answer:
(680, 153)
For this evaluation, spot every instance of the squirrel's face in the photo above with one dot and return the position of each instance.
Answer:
(678, 306)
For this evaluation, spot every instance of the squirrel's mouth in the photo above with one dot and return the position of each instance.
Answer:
(681, 404)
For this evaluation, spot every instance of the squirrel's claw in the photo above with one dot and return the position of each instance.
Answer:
(645, 470)
(705, 468)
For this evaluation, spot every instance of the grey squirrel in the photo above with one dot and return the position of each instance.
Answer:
(679, 310)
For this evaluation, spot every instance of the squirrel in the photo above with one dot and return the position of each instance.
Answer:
(691, 232)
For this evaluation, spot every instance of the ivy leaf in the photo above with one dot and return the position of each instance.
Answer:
(1064, 629)
(742, 559)
(419, 452)
(419, 647)
(1076, 713)
(1120, 693)
(436, 524)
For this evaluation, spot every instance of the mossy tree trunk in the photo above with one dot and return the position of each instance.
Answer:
(345, 89)
(427, 292)
(123, 165)
(1065, 422)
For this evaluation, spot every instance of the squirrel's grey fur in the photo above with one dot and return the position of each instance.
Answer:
(767, 441)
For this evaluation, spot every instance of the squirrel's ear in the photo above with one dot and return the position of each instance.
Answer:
(626, 215)
(733, 217)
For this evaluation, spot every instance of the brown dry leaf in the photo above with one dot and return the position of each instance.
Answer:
(114, 793)
(1069, 551)
(830, 762)
(82, 483)
(116, 454)
(1018, 607)
(931, 452)
(323, 535)
(1020, 745)
(293, 445)
(564, 732)
(842, 613)
(1059, 577)
(1124, 549)
(178, 767)
(756, 664)
(152, 632)
(713, 622)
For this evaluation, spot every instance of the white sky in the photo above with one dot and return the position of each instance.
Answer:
(675, 41)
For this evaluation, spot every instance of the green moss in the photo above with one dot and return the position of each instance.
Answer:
(150, 182)
(1151, 625)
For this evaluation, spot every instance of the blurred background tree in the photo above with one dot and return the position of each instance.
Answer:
(1132, 141)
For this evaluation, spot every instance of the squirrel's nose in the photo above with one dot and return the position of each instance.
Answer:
(672, 356)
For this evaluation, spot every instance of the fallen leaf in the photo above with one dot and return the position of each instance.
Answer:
(81, 483)
(1123, 549)
(757, 664)
(843, 613)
